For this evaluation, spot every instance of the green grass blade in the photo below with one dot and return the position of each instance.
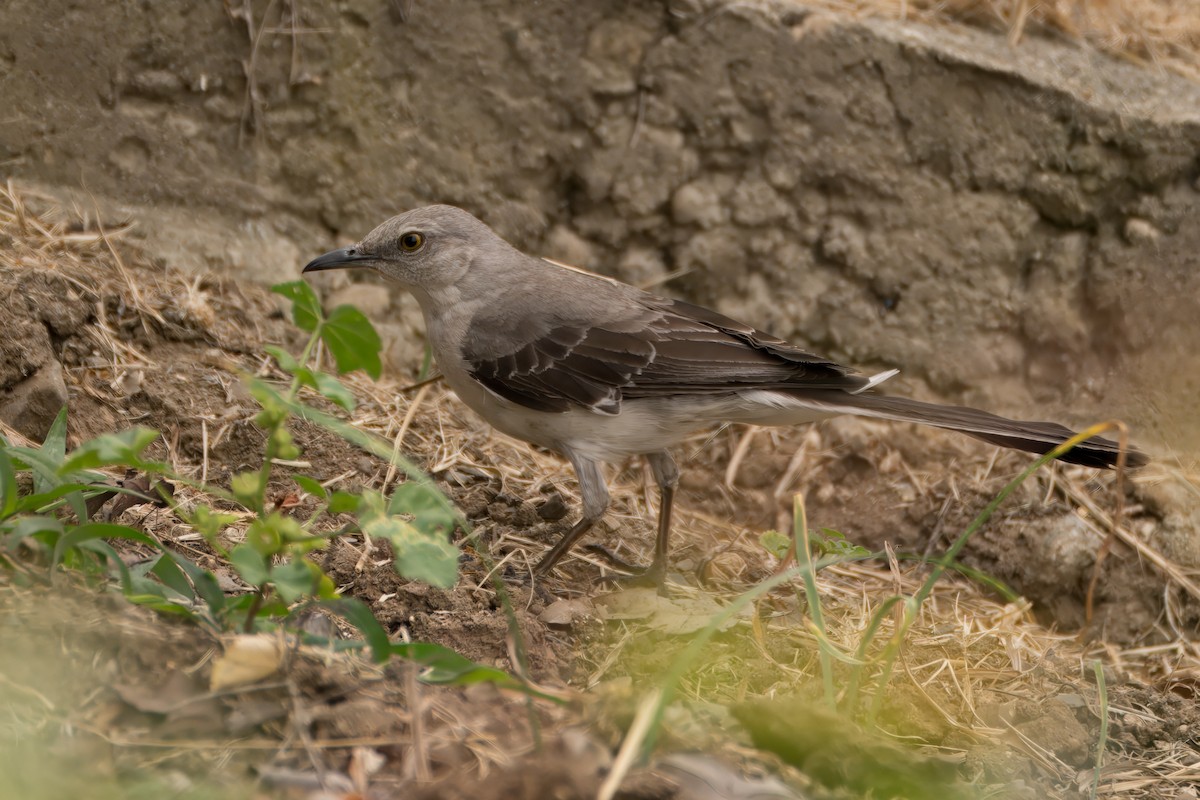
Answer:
(99, 530)
(9, 494)
(944, 562)
(804, 561)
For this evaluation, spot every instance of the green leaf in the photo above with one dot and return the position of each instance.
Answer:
(240, 606)
(333, 389)
(205, 582)
(295, 579)
(101, 548)
(359, 615)
(352, 341)
(43, 467)
(326, 385)
(250, 564)
(306, 308)
(274, 411)
(85, 534)
(47, 501)
(248, 488)
(775, 543)
(162, 605)
(306, 376)
(373, 443)
(287, 362)
(264, 536)
(54, 447)
(444, 666)
(9, 494)
(282, 444)
(124, 448)
(311, 485)
(342, 502)
(275, 533)
(428, 557)
(326, 588)
(167, 571)
(209, 523)
(834, 543)
(30, 526)
(431, 511)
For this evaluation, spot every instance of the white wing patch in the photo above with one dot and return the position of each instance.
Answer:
(875, 380)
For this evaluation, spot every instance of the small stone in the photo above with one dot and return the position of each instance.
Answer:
(1140, 231)
(564, 613)
(159, 84)
(1071, 700)
(31, 406)
(553, 509)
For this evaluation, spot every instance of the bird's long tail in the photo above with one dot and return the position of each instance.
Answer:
(1033, 437)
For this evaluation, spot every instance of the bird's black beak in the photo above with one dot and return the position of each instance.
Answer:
(345, 258)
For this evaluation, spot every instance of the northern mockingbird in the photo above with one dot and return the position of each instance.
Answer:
(598, 370)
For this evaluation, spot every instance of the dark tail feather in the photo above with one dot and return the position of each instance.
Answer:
(1032, 437)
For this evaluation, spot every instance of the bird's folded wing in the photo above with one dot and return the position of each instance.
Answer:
(654, 347)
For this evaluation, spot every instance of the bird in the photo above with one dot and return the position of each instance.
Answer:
(598, 370)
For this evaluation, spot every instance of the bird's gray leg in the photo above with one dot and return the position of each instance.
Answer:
(595, 503)
(666, 475)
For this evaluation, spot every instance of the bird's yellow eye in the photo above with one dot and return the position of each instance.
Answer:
(411, 242)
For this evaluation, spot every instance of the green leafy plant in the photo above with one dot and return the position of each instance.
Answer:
(48, 498)
(828, 542)
(416, 519)
(58, 484)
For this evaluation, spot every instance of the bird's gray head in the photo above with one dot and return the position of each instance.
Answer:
(424, 249)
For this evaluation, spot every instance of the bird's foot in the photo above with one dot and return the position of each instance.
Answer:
(654, 575)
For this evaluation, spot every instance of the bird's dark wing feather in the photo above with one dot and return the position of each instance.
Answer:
(656, 348)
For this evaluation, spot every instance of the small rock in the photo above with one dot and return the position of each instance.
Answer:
(158, 84)
(563, 613)
(1071, 700)
(1140, 231)
(31, 406)
(553, 509)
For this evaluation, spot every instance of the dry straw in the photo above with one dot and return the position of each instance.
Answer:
(964, 653)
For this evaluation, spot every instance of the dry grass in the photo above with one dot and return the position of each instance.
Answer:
(967, 663)
(1163, 34)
